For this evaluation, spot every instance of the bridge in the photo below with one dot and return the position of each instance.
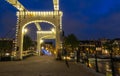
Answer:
(25, 17)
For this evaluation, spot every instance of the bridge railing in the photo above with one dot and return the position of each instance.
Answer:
(24, 53)
(27, 53)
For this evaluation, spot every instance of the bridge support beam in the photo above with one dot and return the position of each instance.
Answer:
(41, 35)
(19, 42)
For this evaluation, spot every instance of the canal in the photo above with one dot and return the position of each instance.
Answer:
(104, 66)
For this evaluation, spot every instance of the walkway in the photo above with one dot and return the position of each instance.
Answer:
(44, 66)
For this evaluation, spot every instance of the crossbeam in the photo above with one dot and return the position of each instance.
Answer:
(45, 32)
(38, 26)
(49, 37)
(17, 4)
(38, 13)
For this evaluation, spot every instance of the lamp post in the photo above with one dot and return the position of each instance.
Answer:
(87, 54)
(96, 63)
(112, 62)
(110, 47)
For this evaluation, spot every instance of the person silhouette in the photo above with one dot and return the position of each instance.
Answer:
(78, 55)
(65, 54)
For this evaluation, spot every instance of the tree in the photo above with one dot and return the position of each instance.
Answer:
(109, 46)
(71, 41)
(27, 42)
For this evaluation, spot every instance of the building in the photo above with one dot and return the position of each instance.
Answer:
(6, 47)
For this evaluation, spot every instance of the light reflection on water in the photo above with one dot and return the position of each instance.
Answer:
(105, 66)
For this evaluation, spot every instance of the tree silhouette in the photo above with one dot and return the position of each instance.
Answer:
(71, 41)
(27, 43)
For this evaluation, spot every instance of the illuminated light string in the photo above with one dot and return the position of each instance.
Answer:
(38, 13)
(16, 4)
(20, 7)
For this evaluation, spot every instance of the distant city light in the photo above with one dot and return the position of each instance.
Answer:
(106, 51)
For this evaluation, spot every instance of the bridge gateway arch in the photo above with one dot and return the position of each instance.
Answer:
(25, 17)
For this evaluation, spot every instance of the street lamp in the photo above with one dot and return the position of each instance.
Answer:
(41, 41)
(53, 30)
(25, 30)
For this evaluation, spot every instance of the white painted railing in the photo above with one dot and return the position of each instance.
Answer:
(27, 53)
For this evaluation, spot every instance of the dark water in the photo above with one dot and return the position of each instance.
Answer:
(104, 66)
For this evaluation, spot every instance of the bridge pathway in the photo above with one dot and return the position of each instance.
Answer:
(44, 66)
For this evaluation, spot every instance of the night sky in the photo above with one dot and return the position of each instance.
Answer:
(87, 19)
